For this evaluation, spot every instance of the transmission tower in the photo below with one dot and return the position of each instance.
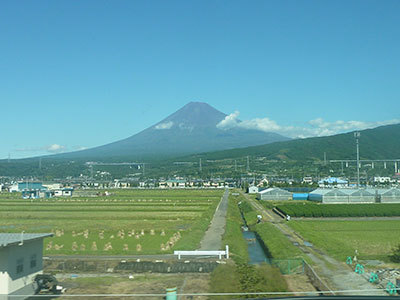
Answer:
(357, 136)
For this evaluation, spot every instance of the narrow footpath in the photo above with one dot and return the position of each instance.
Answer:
(212, 239)
(337, 275)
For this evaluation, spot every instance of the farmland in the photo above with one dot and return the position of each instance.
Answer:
(305, 209)
(372, 239)
(124, 223)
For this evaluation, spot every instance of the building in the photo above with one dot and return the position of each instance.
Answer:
(274, 194)
(30, 189)
(360, 195)
(384, 180)
(307, 179)
(253, 189)
(63, 192)
(53, 186)
(333, 181)
(263, 183)
(329, 196)
(21, 259)
(390, 196)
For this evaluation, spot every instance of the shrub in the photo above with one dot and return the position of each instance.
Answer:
(225, 279)
(246, 278)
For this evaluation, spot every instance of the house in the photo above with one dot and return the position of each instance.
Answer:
(263, 183)
(21, 259)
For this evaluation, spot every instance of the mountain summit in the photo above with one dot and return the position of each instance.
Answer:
(193, 114)
(191, 129)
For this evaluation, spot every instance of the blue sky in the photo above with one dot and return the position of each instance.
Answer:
(77, 74)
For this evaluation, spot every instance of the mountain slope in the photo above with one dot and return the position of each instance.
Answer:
(377, 143)
(192, 129)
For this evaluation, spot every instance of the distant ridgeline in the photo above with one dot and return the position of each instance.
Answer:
(375, 144)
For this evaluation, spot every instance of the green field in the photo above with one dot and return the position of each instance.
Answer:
(306, 209)
(125, 222)
(372, 239)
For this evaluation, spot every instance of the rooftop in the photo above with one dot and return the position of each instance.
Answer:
(9, 239)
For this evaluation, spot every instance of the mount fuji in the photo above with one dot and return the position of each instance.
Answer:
(191, 129)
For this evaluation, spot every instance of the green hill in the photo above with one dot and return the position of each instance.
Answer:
(378, 143)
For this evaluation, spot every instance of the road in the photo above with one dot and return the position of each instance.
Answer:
(337, 275)
(212, 239)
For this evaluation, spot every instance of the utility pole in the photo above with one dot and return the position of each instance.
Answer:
(357, 136)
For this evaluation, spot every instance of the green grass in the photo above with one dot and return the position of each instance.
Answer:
(233, 234)
(278, 244)
(177, 216)
(246, 278)
(372, 239)
(248, 212)
(304, 209)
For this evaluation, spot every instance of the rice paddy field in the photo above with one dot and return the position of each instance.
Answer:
(127, 222)
(373, 239)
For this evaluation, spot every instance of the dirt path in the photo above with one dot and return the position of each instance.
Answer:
(337, 275)
(212, 239)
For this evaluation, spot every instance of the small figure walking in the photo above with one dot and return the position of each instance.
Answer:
(259, 218)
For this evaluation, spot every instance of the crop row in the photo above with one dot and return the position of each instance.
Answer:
(100, 208)
(102, 203)
(339, 210)
(88, 215)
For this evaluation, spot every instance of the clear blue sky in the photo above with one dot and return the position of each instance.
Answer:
(84, 73)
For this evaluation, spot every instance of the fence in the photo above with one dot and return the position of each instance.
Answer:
(315, 279)
(289, 266)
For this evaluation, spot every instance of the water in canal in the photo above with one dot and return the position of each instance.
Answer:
(254, 248)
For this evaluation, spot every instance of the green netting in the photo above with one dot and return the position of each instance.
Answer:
(289, 266)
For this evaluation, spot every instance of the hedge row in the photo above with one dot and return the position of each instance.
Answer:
(339, 210)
